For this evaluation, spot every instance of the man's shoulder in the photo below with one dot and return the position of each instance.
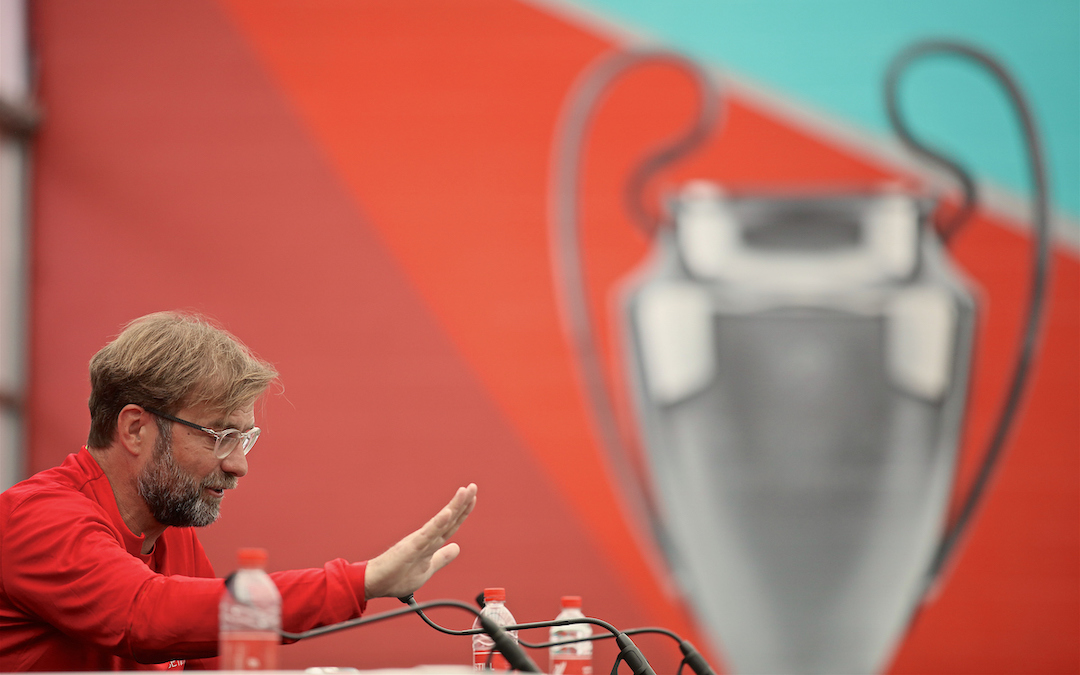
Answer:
(65, 487)
(52, 506)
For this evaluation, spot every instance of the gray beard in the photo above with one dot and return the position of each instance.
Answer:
(174, 497)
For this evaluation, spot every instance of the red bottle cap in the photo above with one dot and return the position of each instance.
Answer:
(252, 557)
(571, 601)
(495, 594)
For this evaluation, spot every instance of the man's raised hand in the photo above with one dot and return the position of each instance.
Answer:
(408, 564)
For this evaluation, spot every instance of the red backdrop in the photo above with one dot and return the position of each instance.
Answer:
(358, 190)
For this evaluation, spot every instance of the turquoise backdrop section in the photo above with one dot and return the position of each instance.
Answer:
(832, 55)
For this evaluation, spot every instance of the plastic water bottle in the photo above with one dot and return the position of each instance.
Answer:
(485, 657)
(249, 617)
(574, 658)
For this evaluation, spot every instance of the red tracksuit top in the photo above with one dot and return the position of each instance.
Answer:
(77, 594)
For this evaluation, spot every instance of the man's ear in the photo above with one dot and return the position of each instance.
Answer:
(136, 429)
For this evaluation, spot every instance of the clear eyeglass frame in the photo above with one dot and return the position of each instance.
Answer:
(225, 441)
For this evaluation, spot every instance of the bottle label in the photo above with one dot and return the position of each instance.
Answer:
(237, 616)
(482, 657)
(570, 664)
(249, 650)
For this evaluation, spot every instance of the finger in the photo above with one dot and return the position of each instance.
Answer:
(436, 531)
(431, 535)
(463, 499)
(453, 526)
(445, 523)
(444, 556)
(458, 509)
(467, 503)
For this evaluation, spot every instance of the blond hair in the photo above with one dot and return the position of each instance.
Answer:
(170, 361)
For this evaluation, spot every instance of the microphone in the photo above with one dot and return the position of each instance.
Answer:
(629, 652)
(693, 659)
(508, 646)
(691, 656)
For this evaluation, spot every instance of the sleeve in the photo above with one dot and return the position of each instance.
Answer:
(200, 563)
(62, 562)
(318, 597)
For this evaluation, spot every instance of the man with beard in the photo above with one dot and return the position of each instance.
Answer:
(100, 568)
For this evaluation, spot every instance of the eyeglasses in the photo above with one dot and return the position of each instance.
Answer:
(225, 442)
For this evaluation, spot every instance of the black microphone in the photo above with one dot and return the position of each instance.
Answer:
(629, 652)
(693, 659)
(508, 646)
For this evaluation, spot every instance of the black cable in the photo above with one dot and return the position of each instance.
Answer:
(333, 628)
(411, 602)
(615, 666)
(1040, 265)
(690, 653)
(628, 650)
(631, 631)
(691, 656)
(517, 658)
(413, 606)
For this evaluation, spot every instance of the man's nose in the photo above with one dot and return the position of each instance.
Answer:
(235, 463)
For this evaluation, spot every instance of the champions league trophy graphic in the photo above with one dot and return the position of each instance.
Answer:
(799, 367)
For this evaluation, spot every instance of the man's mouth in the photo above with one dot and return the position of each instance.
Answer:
(218, 489)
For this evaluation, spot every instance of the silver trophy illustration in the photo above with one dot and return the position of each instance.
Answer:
(799, 367)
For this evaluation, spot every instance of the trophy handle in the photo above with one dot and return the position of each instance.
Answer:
(564, 205)
(1040, 263)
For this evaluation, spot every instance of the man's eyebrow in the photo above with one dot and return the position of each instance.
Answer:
(222, 425)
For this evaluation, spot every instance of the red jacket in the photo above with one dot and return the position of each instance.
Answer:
(77, 594)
